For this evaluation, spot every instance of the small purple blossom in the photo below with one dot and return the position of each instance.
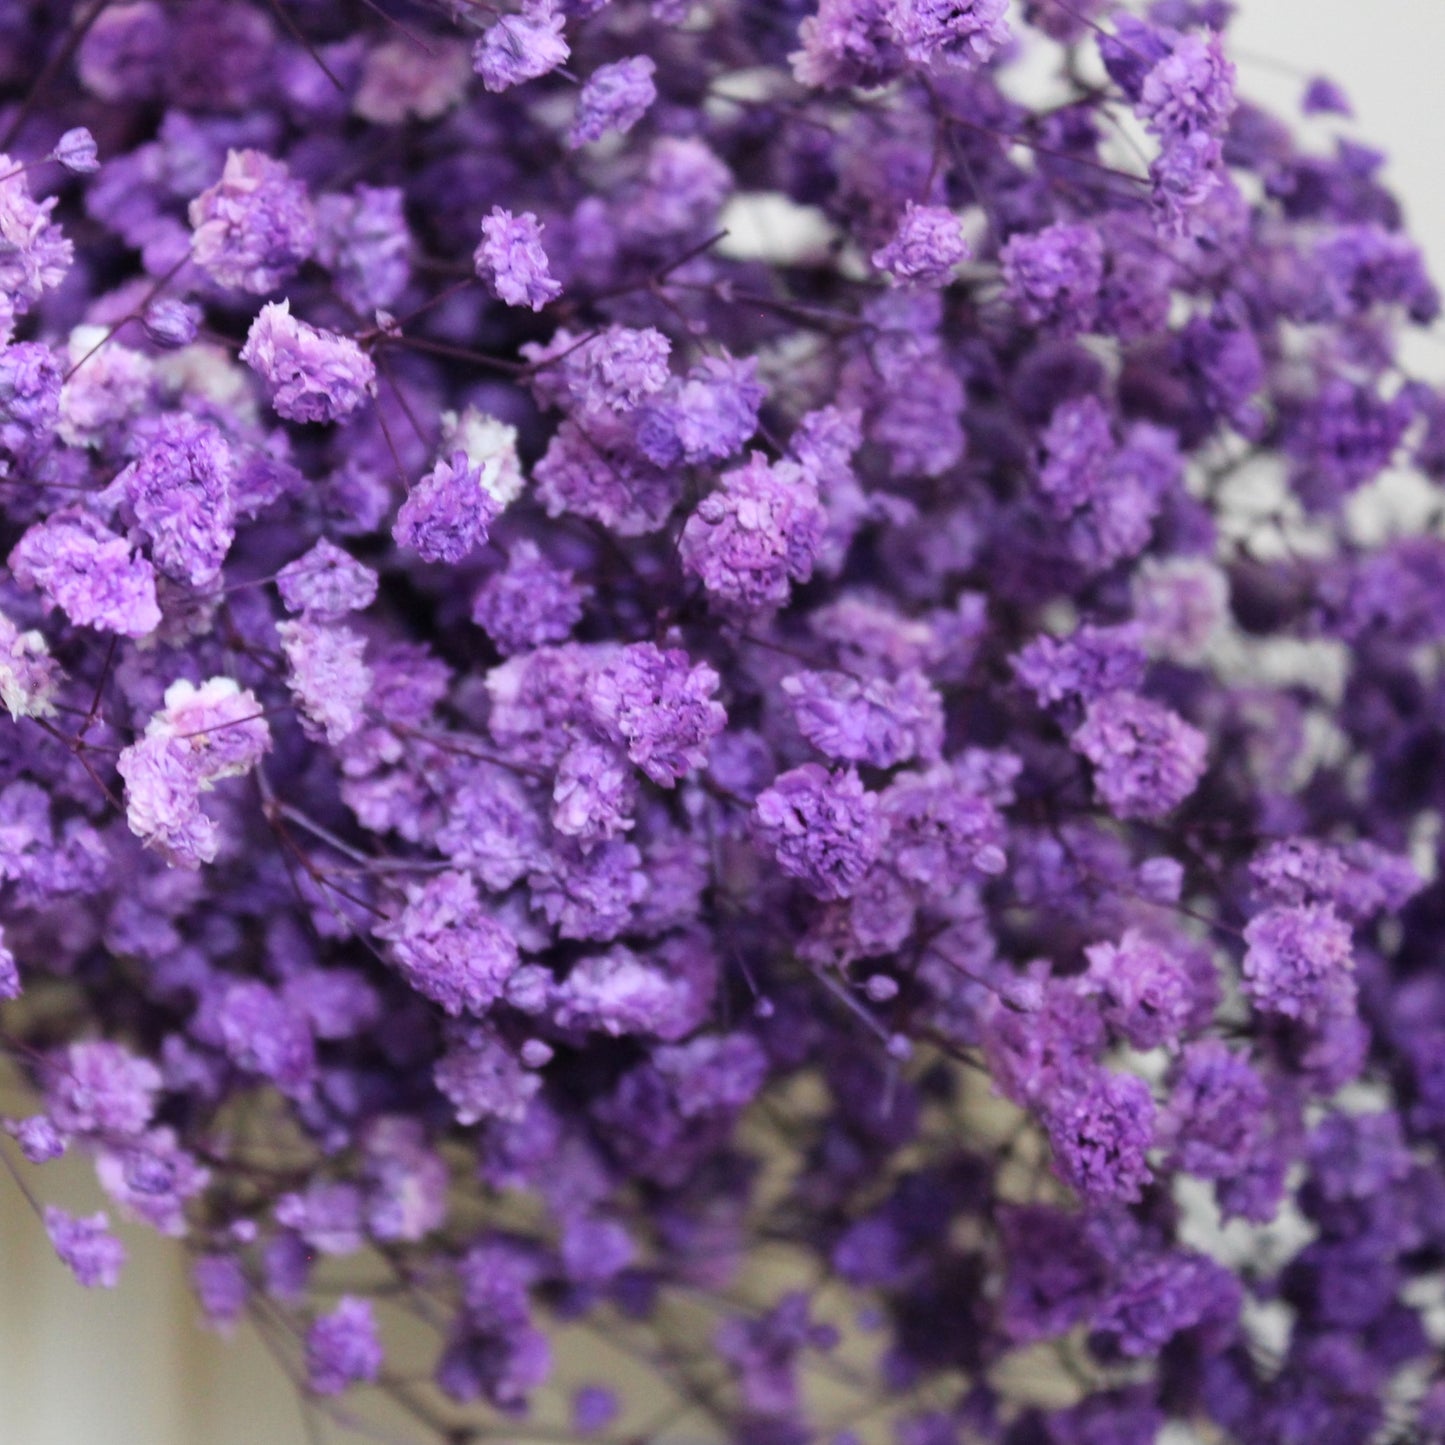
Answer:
(262, 1035)
(1298, 962)
(34, 253)
(448, 947)
(171, 323)
(529, 602)
(619, 369)
(594, 1408)
(939, 828)
(1158, 1297)
(328, 675)
(29, 677)
(1191, 90)
(823, 828)
(709, 416)
(925, 248)
(1149, 993)
(326, 583)
(39, 1140)
(363, 239)
(1216, 1102)
(343, 1347)
(754, 536)
(1147, 759)
(1054, 276)
(660, 707)
(89, 573)
(1101, 1131)
(521, 47)
(964, 33)
(614, 99)
(847, 43)
(180, 492)
(86, 1247)
(255, 226)
(76, 151)
(446, 515)
(101, 1088)
(595, 792)
(312, 375)
(881, 723)
(222, 1289)
(510, 259)
(1090, 663)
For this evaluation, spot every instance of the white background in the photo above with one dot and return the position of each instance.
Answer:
(128, 1367)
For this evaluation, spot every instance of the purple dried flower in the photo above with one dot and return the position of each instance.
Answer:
(847, 43)
(1091, 663)
(89, 573)
(34, 254)
(594, 1408)
(1190, 90)
(510, 259)
(122, 54)
(823, 828)
(102, 1089)
(343, 1347)
(925, 248)
(708, 417)
(1054, 276)
(959, 32)
(595, 792)
(312, 375)
(87, 1247)
(1160, 1296)
(1216, 1103)
(1147, 760)
(529, 602)
(29, 677)
(614, 99)
(255, 226)
(180, 493)
(328, 675)
(171, 323)
(760, 532)
(1324, 96)
(326, 583)
(1299, 961)
(881, 723)
(482, 1079)
(76, 151)
(521, 47)
(446, 515)
(659, 706)
(262, 1035)
(448, 948)
(1101, 1131)
(362, 238)
(222, 1289)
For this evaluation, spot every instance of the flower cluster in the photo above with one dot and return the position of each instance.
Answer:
(637, 641)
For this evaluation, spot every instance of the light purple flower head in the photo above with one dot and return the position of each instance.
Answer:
(312, 375)
(255, 226)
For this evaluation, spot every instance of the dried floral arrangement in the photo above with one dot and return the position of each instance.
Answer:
(704, 671)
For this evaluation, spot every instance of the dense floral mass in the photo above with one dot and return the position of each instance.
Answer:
(698, 673)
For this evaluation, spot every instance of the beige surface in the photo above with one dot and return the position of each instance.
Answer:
(125, 1366)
